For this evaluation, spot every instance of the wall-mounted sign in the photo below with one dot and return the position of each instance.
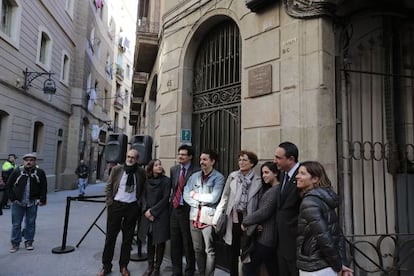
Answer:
(185, 136)
(260, 81)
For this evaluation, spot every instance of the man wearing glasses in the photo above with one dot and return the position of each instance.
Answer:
(123, 193)
(181, 242)
(27, 188)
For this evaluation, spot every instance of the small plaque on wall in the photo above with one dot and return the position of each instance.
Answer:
(260, 81)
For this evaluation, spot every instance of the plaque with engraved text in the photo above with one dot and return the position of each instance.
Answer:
(260, 81)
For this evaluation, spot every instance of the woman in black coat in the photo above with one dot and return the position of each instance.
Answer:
(154, 226)
(320, 245)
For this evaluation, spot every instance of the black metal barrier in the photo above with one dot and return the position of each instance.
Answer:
(139, 256)
(64, 248)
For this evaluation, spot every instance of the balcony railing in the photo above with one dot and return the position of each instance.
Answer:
(145, 26)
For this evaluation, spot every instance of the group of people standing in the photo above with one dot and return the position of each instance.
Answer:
(283, 219)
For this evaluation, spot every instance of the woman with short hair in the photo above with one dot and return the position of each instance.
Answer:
(239, 199)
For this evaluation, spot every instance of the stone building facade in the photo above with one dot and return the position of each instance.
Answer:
(334, 77)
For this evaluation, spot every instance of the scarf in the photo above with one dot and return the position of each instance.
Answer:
(244, 181)
(130, 171)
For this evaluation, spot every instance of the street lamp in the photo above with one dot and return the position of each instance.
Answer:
(49, 86)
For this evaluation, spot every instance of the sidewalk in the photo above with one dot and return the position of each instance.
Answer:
(85, 260)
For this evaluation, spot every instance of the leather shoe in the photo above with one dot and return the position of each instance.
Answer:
(104, 272)
(125, 271)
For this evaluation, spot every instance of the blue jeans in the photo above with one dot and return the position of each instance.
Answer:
(18, 212)
(82, 185)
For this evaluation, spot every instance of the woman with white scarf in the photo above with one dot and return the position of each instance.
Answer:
(239, 198)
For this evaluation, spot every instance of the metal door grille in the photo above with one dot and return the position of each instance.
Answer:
(217, 94)
(376, 152)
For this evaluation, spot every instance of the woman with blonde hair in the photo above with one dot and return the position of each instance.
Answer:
(320, 244)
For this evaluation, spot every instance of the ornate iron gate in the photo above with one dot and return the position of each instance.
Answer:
(217, 93)
(376, 143)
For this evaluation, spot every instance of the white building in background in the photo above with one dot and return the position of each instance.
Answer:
(87, 47)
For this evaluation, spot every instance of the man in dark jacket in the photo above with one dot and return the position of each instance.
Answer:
(82, 172)
(123, 193)
(7, 168)
(286, 159)
(181, 242)
(27, 188)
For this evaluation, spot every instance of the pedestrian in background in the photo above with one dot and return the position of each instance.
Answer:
(181, 242)
(286, 159)
(123, 192)
(320, 243)
(82, 171)
(154, 225)
(7, 168)
(27, 188)
(239, 199)
(2, 193)
(202, 193)
(264, 247)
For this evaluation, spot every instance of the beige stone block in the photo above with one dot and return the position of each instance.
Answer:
(328, 36)
(168, 124)
(261, 48)
(168, 147)
(168, 102)
(276, 76)
(253, 24)
(268, 140)
(290, 109)
(289, 73)
(168, 81)
(291, 134)
(171, 60)
(311, 34)
(312, 70)
(261, 111)
(289, 40)
(249, 139)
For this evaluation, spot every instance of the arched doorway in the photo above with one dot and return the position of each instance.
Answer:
(217, 94)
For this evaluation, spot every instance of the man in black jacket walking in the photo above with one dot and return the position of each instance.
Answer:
(27, 188)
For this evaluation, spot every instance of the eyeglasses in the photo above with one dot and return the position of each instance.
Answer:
(244, 160)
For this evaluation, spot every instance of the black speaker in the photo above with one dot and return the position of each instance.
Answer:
(116, 147)
(143, 144)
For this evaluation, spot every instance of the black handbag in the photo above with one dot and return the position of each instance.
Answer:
(221, 225)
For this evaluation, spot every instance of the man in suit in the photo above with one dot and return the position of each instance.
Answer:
(286, 159)
(123, 192)
(181, 243)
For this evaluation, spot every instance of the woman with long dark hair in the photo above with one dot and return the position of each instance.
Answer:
(264, 247)
(154, 224)
(320, 244)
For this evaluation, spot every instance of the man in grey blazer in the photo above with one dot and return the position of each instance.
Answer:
(181, 243)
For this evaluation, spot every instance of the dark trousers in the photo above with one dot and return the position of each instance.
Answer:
(235, 249)
(287, 267)
(181, 242)
(261, 255)
(155, 253)
(121, 216)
